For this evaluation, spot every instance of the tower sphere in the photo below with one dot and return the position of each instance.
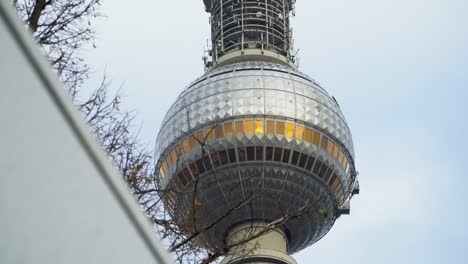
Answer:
(254, 139)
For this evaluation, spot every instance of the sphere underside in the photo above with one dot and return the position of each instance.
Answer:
(256, 141)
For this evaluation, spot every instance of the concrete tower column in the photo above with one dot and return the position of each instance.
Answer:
(268, 248)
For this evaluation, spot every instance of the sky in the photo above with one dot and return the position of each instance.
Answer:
(399, 69)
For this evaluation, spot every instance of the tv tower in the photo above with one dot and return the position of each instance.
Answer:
(254, 149)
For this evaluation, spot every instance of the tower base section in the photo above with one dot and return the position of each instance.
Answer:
(255, 243)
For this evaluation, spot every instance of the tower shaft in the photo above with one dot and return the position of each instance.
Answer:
(250, 30)
(256, 243)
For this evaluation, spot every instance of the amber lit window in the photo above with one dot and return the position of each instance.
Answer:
(199, 136)
(259, 129)
(344, 163)
(336, 151)
(330, 147)
(161, 174)
(193, 142)
(299, 132)
(341, 157)
(210, 134)
(270, 127)
(324, 142)
(249, 127)
(173, 155)
(308, 135)
(289, 130)
(239, 128)
(169, 161)
(279, 128)
(228, 128)
(219, 131)
(316, 138)
(335, 186)
(186, 145)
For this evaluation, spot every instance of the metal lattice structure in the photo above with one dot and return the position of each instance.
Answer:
(253, 27)
(258, 130)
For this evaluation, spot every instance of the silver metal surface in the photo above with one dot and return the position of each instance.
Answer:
(249, 92)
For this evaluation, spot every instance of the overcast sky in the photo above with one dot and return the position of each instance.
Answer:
(399, 69)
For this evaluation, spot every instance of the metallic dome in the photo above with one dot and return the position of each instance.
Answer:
(263, 139)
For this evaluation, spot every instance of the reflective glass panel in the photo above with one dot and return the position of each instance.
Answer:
(310, 163)
(269, 153)
(232, 155)
(332, 181)
(250, 153)
(207, 162)
(215, 159)
(258, 153)
(295, 158)
(194, 169)
(302, 160)
(223, 157)
(286, 153)
(278, 152)
(241, 153)
(317, 166)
